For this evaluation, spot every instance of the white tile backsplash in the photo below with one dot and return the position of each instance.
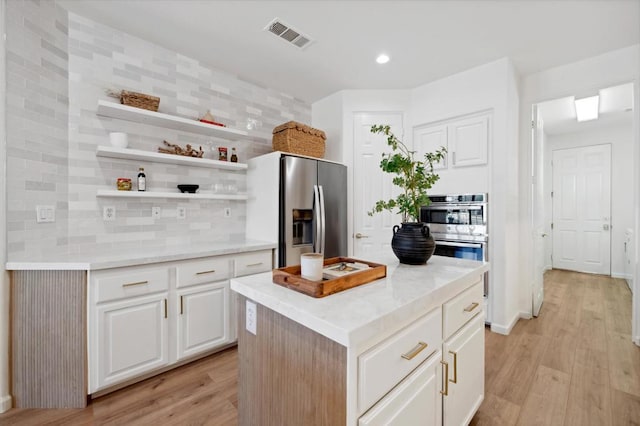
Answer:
(58, 66)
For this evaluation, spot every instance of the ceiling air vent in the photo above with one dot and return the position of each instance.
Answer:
(286, 33)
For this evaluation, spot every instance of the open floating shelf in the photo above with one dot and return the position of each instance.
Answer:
(157, 157)
(139, 115)
(178, 195)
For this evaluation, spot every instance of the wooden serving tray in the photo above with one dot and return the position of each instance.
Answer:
(290, 277)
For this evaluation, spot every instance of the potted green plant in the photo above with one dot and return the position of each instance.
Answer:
(412, 242)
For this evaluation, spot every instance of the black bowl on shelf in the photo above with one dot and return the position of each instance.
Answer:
(188, 188)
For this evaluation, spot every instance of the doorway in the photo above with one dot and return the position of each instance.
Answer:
(555, 130)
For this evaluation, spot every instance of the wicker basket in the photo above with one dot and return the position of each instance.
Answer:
(139, 100)
(298, 138)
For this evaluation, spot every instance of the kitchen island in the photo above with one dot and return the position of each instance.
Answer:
(405, 349)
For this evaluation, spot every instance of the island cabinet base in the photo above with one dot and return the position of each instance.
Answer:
(288, 374)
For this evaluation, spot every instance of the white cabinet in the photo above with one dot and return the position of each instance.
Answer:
(466, 140)
(416, 400)
(440, 380)
(464, 353)
(203, 318)
(132, 338)
(430, 139)
(144, 318)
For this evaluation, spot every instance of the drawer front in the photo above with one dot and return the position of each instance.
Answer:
(381, 368)
(123, 283)
(459, 310)
(253, 263)
(201, 271)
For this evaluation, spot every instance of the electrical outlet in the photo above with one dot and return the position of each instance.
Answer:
(45, 214)
(108, 213)
(181, 212)
(252, 317)
(227, 212)
(156, 212)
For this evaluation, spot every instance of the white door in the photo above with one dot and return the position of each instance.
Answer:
(582, 209)
(132, 338)
(203, 318)
(372, 234)
(538, 202)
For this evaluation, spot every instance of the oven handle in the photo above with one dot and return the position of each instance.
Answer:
(456, 244)
(454, 207)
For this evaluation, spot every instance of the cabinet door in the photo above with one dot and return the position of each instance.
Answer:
(429, 139)
(415, 401)
(203, 318)
(469, 141)
(464, 352)
(132, 338)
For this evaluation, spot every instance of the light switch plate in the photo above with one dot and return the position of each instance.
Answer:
(109, 213)
(252, 317)
(45, 214)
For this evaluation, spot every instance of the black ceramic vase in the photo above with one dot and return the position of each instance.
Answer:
(412, 243)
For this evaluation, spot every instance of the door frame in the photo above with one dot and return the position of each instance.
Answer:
(527, 105)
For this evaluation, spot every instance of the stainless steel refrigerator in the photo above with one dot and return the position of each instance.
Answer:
(311, 205)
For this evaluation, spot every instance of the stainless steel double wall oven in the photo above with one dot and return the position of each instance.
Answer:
(459, 225)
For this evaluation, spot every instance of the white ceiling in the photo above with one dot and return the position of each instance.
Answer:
(616, 106)
(426, 40)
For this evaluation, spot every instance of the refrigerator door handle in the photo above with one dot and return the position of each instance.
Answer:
(322, 220)
(317, 212)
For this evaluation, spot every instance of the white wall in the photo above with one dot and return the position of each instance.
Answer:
(577, 79)
(5, 398)
(622, 198)
(490, 87)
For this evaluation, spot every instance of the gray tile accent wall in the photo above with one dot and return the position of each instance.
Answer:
(84, 59)
(37, 124)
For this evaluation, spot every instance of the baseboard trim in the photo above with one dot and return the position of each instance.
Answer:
(547, 268)
(525, 315)
(5, 403)
(502, 329)
(636, 340)
(619, 275)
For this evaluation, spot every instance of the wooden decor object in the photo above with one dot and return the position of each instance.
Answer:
(48, 339)
(298, 138)
(290, 277)
(178, 150)
(284, 355)
(139, 100)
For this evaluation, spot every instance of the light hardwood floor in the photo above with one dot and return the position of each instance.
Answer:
(573, 365)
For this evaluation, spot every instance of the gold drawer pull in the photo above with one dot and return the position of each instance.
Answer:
(165, 309)
(455, 367)
(181, 305)
(205, 272)
(133, 284)
(446, 378)
(415, 351)
(471, 307)
(255, 264)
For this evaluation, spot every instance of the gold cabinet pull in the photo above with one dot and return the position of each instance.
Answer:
(205, 272)
(134, 284)
(181, 305)
(471, 307)
(415, 351)
(165, 308)
(254, 264)
(446, 378)
(455, 367)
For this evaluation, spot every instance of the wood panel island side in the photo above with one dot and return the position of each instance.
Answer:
(407, 349)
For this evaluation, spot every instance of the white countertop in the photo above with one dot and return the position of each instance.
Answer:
(142, 256)
(358, 314)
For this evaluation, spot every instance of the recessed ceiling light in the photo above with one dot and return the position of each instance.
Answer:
(587, 108)
(382, 59)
